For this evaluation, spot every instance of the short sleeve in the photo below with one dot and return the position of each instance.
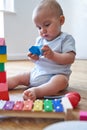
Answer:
(68, 44)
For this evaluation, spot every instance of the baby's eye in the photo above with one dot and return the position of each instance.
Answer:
(47, 24)
(38, 27)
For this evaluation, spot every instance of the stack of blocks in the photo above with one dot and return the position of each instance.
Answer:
(3, 83)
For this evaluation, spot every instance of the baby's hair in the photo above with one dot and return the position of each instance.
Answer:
(51, 4)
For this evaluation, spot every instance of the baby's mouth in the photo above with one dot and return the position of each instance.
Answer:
(45, 35)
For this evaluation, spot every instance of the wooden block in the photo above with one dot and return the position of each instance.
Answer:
(2, 67)
(28, 105)
(3, 49)
(83, 115)
(2, 41)
(38, 105)
(8, 105)
(48, 107)
(18, 105)
(3, 58)
(3, 86)
(2, 77)
(4, 95)
(57, 105)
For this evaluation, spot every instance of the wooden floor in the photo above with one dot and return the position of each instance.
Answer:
(78, 82)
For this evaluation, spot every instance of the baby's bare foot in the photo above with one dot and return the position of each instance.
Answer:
(29, 94)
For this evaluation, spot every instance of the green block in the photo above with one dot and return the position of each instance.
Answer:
(48, 107)
(2, 67)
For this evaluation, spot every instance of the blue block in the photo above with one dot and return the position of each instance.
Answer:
(58, 107)
(56, 101)
(36, 50)
(3, 49)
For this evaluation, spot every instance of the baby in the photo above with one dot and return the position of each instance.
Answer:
(52, 70)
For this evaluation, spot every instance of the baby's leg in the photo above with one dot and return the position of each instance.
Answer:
(52, 87)
(20, 79)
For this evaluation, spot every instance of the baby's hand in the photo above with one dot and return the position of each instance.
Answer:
(33, 56)
(47, 52)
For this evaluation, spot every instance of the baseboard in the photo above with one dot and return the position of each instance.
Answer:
(81, 58)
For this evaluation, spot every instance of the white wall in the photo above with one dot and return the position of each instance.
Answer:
(1, 25)
(19, 29)
(20, 33)
(76, 24)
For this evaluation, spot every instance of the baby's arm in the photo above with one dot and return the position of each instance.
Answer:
(64, 58)
(60, 58)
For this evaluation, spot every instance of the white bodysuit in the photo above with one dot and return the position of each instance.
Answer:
(44, 68)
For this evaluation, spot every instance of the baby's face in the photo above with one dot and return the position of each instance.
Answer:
(49, 26)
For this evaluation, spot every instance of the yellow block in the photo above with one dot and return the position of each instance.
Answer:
(3, 58)
(38, 105)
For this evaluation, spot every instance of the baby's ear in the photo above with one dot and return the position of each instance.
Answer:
(62, 19)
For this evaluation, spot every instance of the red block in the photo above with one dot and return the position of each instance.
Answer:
(18, 105)
(4, 95)
(2, 77)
